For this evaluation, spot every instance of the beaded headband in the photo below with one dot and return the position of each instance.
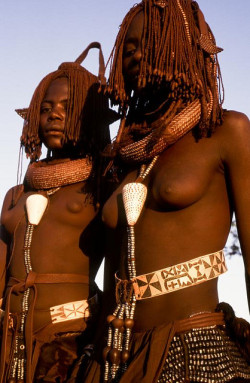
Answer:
(161, 3)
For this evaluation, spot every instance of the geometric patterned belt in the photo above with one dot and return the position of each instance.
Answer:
(173, 278)
(70, 311)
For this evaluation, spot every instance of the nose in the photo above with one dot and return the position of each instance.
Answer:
(55, 113)
(138, 55)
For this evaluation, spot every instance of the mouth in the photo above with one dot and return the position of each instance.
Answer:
(55, 130)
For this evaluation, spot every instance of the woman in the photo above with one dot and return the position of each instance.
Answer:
(169, 219)
(48, 224)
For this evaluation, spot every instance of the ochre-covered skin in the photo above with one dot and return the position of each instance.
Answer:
(187, 214)
(56, 247)
(193, 190)
(63, 242)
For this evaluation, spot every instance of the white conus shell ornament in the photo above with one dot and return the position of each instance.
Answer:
(36, 205)
(134, 195)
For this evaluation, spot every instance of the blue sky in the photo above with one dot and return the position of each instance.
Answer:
(37, 36)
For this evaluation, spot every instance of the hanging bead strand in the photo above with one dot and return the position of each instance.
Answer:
(116, 353)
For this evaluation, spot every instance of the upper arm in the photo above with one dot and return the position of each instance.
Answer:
(4, 239)
(235, 151)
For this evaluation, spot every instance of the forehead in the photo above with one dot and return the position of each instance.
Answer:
(136, 28)
(57, 88)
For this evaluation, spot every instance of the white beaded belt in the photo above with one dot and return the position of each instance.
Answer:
(179, 276)
(70, 311)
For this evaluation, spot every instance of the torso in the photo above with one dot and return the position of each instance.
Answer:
(187, 214)
(58, 246)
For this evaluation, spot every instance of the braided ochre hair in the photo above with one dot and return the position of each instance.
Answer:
(176, 55)
(84, 125)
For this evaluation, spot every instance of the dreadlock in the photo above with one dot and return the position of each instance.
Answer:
(85, 123)
(178, 54)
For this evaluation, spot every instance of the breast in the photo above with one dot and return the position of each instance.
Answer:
(173, 190)
(184, 174)
(74, 207)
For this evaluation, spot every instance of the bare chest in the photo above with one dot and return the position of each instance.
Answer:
(70, 206)
(183, 175)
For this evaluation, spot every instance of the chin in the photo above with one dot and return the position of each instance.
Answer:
(54, 144)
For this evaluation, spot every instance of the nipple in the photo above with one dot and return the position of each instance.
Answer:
(74, 207)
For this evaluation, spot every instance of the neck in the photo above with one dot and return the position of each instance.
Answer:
(59, 155)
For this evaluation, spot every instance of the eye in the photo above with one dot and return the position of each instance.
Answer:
(129, 49)
(45, 109)
(129, 52)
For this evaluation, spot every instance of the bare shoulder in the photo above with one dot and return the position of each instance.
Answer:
(235, 123)
(234, 134)
(11, 195)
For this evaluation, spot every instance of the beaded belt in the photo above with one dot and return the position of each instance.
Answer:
(173, 278)
(204, 355)
(73, 310)
(69, 311)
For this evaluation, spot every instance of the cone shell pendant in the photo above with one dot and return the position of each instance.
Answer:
(36, 205)
(134, 196)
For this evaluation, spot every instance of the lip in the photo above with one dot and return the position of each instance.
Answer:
(54, 129)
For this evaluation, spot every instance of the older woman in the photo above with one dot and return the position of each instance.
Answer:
(49, 224)
(187, 164)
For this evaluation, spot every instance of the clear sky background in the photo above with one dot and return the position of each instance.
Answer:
(37, 36)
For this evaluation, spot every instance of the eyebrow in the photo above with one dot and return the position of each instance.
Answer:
(132, 40)
(51, 102)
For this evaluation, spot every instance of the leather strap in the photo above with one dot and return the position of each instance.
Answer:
(200, 321)
(38, 278)
(18, 285)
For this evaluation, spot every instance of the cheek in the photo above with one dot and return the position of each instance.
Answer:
(42, 123)
(125, 65)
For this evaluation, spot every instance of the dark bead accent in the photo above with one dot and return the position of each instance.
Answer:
(117, 323)
(115, 356)
(124, 356)
(129, 323)
(110, 318)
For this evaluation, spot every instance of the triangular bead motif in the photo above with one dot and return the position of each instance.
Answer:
(36, 205)
(134, 195)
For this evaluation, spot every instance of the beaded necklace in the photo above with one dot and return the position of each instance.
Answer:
(134, 194)
(147, 148)
(43, 175)
(48, 178)
(121, 322)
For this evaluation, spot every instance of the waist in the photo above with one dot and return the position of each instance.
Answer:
(176, 277)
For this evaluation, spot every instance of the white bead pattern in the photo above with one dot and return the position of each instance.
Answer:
(17, 370)
(134, 196)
